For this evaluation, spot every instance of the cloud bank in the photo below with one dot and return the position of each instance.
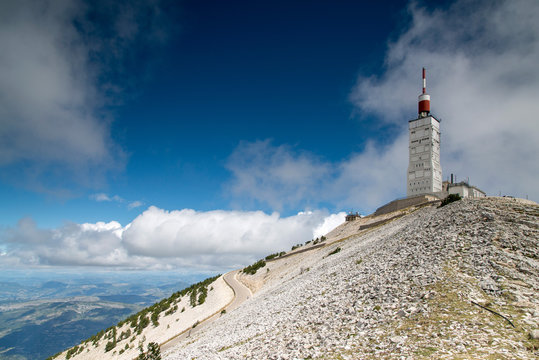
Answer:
(161, 239)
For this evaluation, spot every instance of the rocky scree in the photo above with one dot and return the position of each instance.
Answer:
(400, 290)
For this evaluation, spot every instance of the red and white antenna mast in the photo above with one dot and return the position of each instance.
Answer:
(424, 99)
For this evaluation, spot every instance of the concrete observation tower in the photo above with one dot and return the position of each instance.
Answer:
(424, 169)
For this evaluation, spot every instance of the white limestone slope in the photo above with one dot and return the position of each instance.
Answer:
(402, 290)
(219, 296)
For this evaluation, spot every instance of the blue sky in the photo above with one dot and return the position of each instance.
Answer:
(184, 120)
(224, 73)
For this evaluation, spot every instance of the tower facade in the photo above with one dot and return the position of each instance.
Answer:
(424, 169)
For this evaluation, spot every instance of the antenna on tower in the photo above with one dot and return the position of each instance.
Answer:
(424, 81)
(424, 98)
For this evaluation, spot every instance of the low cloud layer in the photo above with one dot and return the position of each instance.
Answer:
(161, 239)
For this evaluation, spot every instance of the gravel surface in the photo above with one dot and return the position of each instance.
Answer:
(400, 290)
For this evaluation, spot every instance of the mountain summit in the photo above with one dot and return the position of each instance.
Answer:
(459, 281)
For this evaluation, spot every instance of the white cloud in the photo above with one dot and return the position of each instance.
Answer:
(102, 197)
(160, 239)
(48, 102)
(53, 127)
(134, 204)
(282, 178)
(371, 178)
(97, 244)
(275, 175)
(481, 59)
(330, 222)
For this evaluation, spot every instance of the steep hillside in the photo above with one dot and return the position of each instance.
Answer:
(428, 283)
(159, 323)
(40, 315)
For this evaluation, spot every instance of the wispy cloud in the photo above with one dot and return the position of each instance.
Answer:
(134, 204)
(102, 197)
(161, 239)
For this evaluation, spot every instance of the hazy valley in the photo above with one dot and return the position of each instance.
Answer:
(40, 316)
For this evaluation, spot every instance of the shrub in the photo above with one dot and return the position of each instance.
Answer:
(72, 352)
(251, 269)
(155, 318)
(449, 199)
(110, 345)
(193, 298)
(125, 334)
(203, 294)
(143, 322)
(275, 255)
(335, 251)
(153, 352)
(171, 310)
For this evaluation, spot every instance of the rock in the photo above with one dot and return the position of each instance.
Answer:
(401, 313)
(397, 339)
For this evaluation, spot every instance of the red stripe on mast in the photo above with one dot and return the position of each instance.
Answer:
(424, 98)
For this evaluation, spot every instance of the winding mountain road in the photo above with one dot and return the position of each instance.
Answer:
(241, 294)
